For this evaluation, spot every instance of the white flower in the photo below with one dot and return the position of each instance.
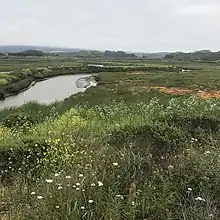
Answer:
(92, 184)
(199, 199)
(74, 186)
(68, 177)
(77, 189)
(40, 197)
(60, 187)
(33, 193)
(77, 184)
(115, 164)
(100, 183)
(170, 167)
(56, 174)
(208, 152)
(90, 201)
(57, 207)
(83, 207)
(189, 189)
(49, 181)
(83, 190)
(80, 175)
(132, 203)
(119, 196)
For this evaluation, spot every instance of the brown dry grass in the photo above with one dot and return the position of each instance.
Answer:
(209, 95)
(215, 94)
(173, 91)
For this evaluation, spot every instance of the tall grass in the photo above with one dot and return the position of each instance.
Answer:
(120, 161)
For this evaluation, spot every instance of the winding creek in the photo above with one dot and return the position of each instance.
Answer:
(51, 90)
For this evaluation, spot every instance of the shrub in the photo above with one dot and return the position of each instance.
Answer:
(97, 78)
(18, 120)
(160, 138)
(18, 86)
(53, 127)
(24, 161)
(2, 96)
(194, 123)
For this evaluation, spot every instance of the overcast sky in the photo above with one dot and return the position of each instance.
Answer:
(131, 25)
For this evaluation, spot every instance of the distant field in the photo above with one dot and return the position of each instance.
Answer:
(17, 73)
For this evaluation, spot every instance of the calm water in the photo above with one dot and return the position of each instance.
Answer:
(48, 91)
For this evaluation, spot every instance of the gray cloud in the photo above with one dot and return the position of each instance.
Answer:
(141, 25)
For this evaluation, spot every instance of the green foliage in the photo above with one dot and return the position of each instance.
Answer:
(97, 78)
(3, 82)
(18, 120)
(160, 138)
(119, 54)
(193, 124)
(28, 53)
(203, 55)
(2, 96)
(128, 156)
(21, 72)
(110, 161)
(18, 86)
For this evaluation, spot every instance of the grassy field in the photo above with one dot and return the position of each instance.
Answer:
(143, 144)
(17, 73)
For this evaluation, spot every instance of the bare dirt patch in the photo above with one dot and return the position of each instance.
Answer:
(209, 95)
(173, 91)
(179, 91)
(215, 94)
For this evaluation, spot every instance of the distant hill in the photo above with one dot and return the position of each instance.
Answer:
(203, 55)
(21, 48)
(119, 54)
(28, 53)
(80, 53)
(152, 56)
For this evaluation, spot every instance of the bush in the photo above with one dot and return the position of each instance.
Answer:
(18, 86)
(117, 162)
(194, 123)
(18, 120)
(2, 96)
(97, 78)
(160, 138)
(23, 161)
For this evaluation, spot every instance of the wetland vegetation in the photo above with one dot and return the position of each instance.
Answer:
(143, 144)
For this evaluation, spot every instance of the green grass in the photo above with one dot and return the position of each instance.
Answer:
(17, 71)
(118, 151)
(145, 160)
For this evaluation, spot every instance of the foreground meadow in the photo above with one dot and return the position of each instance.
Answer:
(126, 149)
